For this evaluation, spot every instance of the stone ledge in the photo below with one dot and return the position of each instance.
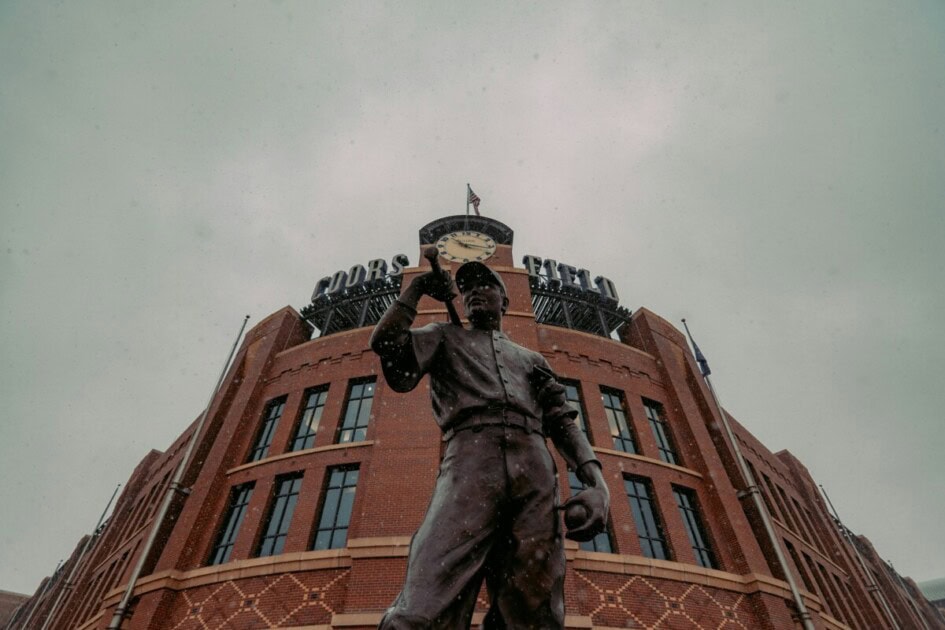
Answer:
(302, 453)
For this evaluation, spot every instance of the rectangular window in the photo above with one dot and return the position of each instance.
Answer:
(357, 412)
(310, 418)
(814, 531)
(800, 567)
(782, 510)
(280, 515)
(664, 440)
(649, 528)
(337, 504)
(798, 516)
(267, 430)
(836, 602)
(601, 542)
(824, 595)
(695, 529)
(239, 499)
(785, 506)
(616, 412)
(572, 391)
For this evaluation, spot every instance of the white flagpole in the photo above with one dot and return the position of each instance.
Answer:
(174, 486)
(468, 191)
(42, 592)
(908, 595)
(754, 492)
(871, 584)
(75, 567)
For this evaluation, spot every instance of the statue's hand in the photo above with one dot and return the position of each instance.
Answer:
(551, 394)
(586, 512)
(439, 286)
(594, 502)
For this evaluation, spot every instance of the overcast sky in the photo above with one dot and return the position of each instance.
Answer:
(775, 174)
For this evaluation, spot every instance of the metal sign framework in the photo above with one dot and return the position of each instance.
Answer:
(356, 307)
(553, 304)
(574, 308)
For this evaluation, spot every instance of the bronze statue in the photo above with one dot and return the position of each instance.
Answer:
(494, 511)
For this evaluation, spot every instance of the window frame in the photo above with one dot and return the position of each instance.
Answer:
(665, 443)
(285, 500)
(694, 524)
(267, 429)
(652, 531)
(333, 527)
(349, 434)
(620, 440)
(300, 442)
(228, 530)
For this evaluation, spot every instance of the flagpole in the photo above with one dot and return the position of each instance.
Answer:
(173, 487)
(754, 492)
(468, 195)
(908, 594)
(75, 567)
(871, 584)
(42, 592)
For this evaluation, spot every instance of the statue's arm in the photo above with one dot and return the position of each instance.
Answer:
(558, 419)
(595, 497)
(392, 342)
(571, 442)
(397, 345)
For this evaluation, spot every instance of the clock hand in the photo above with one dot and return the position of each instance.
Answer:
(472, 245)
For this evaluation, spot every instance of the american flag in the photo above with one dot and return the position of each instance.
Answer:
(473, 199)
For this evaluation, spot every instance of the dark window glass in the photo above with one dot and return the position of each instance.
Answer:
(798, 516)
(856, 610)
(601, 542)
(664, 440)
(782, 510)
(829, 604)
(280, 515)
(337, 504)
(308, 422)
(837, 602)
(264, 437)
(616, 412)
(239, 499)
(814, 531)
(695, 529)
(800, 566)
(646, 517)
(572, 392)
(785, 506)
(357, 412)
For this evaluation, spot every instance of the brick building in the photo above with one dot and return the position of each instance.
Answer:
(309, 475)
(9, 602)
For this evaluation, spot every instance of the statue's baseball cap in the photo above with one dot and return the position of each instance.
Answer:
(469, 273)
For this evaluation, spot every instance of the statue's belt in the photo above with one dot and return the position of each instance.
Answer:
(491, 418)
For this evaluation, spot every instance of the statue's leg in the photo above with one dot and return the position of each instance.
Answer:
(447, 554)
(527, 586)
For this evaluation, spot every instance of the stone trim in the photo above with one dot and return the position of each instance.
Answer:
(649, 460)
(291, 454)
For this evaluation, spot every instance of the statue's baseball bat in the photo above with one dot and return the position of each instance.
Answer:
(431, 254)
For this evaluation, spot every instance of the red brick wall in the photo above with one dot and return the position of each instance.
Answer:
(398, 465)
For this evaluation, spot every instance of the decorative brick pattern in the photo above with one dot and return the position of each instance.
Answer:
(275, 601)
(640, 602)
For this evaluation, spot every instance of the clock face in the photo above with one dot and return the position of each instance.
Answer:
(465, 245)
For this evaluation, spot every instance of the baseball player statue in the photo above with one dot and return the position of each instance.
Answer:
(494, 513)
